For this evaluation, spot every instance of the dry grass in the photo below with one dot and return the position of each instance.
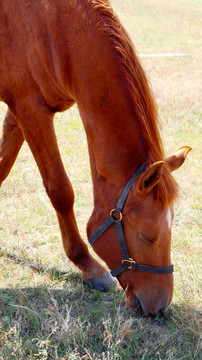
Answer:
(45, 310)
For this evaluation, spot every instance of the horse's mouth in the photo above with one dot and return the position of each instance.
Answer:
(134, 303)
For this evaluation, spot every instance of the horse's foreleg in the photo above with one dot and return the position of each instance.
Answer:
(40, 135)
(11, 140)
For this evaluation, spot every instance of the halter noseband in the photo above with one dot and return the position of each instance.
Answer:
(127, 262)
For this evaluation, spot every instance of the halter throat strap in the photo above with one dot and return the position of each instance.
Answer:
(127, 262)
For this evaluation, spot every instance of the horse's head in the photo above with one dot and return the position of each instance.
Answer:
(147, 228)
(146, 224)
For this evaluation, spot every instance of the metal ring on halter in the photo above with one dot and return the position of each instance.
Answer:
(120, 214)
(131, 261)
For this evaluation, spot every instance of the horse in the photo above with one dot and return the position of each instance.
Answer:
(54, 54)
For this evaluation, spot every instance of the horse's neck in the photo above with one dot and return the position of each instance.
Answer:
(115, 140)
(116, 145)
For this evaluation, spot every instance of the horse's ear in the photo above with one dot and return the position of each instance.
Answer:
(176, 160)
(149, 178)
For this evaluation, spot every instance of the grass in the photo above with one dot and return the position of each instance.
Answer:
(46, 312)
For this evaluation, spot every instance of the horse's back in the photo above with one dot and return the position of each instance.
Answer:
(35, 50)
(59, 52)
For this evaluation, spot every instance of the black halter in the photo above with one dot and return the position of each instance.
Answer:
(127, 262)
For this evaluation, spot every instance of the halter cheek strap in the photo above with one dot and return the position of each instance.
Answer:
(127, 262)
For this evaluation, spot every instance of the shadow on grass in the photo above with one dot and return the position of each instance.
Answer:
(53, 273)
(69, 320)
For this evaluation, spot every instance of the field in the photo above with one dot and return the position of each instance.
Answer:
(46, 312)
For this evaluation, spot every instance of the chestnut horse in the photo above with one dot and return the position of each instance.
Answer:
(53, 54)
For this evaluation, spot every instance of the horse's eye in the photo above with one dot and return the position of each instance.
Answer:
(144, 237)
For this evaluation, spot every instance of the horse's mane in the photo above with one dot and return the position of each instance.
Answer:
(139, 94)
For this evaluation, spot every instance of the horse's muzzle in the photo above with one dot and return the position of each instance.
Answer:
(141, 307)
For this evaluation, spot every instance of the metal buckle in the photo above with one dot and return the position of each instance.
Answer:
(120, 214)
(131, 261)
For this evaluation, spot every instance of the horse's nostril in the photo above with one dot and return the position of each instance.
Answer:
(135, 304)
(153, 315)
(158, 313)
(139, 308)
(162, 311)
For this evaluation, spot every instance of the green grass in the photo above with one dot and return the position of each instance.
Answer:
(46, 312)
